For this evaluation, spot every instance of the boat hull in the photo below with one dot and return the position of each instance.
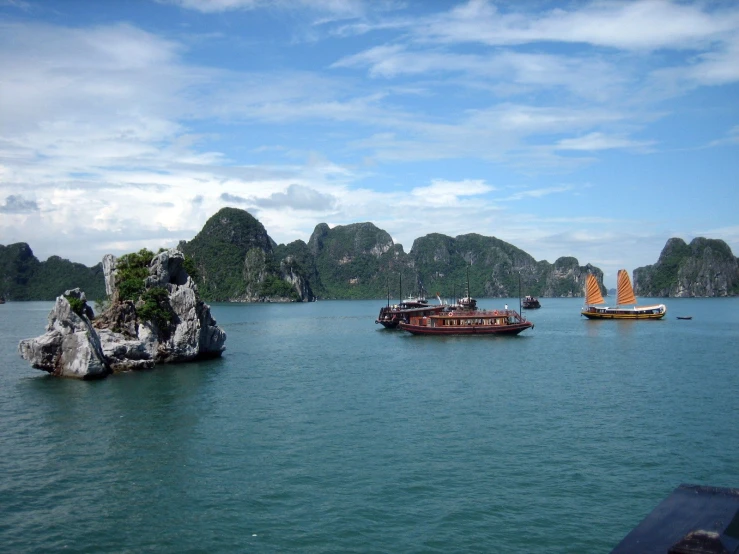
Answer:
(390, 316)
(510, 329)
(388, 324)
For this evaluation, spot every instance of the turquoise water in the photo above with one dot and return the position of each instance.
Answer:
(319, 431)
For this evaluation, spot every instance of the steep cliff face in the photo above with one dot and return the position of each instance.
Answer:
(353, 261)
(494, 266)
(235, 260)
(298, 267)
(704, 268)
(566, 278)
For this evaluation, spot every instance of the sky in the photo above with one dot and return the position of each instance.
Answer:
(593, 129)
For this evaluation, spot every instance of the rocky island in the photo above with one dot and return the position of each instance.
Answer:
(154, 316)
(704, 268)
(233, 259)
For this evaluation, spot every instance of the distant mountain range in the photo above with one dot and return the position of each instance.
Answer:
(235, 259)
(238, 261)
(24, 277)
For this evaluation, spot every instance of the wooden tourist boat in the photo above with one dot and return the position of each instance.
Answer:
(468, 322)
(531, 303)
(390, 316)
(624, 296)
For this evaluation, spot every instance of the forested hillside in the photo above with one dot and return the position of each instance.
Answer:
(703, 268)
(24, 277)
(233, 258)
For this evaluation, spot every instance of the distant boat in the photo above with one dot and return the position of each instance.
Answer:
(685, 317)
(531, 303)
(464, 318)
(391, 315)
(2, 300)
(624, 296)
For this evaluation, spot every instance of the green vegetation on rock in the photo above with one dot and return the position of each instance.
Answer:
(704, 268)
(234, 260)
(77, 305)
(132, 269)
(155, 307)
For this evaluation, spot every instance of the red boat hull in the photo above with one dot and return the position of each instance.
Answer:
(509, 329)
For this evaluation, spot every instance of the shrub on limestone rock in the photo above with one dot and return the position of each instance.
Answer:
(133, 269)
(77, 305)
(155, 307)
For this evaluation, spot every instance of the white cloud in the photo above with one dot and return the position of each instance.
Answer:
(600, 141)
(343, 8)
(638, 25)
(449, 193)
(298, 197)
(109, 136)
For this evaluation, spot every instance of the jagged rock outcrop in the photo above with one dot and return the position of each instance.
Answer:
(70, 347)
(566, 278)
(121, 338)
(354, 261)
(704, 268)
(291, 274)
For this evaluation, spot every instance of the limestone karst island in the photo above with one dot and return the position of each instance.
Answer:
(154, 316)
(154, 310)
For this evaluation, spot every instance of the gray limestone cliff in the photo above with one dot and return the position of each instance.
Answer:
(70, 347)
(703, 268)
(121, 338)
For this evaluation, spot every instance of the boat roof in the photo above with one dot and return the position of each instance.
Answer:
(692, 514)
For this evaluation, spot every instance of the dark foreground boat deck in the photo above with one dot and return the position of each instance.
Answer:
(693, 520)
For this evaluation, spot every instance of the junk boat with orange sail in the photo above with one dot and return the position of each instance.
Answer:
(624, 297)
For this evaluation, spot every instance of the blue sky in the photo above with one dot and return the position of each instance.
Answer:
(590, 129)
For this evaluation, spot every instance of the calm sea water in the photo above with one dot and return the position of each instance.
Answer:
(319, 431)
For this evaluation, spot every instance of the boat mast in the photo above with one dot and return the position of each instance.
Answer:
(388, 291)
(401, 287)
(468, 283)
(520, 309)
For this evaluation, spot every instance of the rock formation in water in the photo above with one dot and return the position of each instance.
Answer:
(703, 268)
(70, 347)
(496, 268)
(165, 323)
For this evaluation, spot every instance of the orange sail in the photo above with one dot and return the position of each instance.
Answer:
(625, 292)
(592, 291)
